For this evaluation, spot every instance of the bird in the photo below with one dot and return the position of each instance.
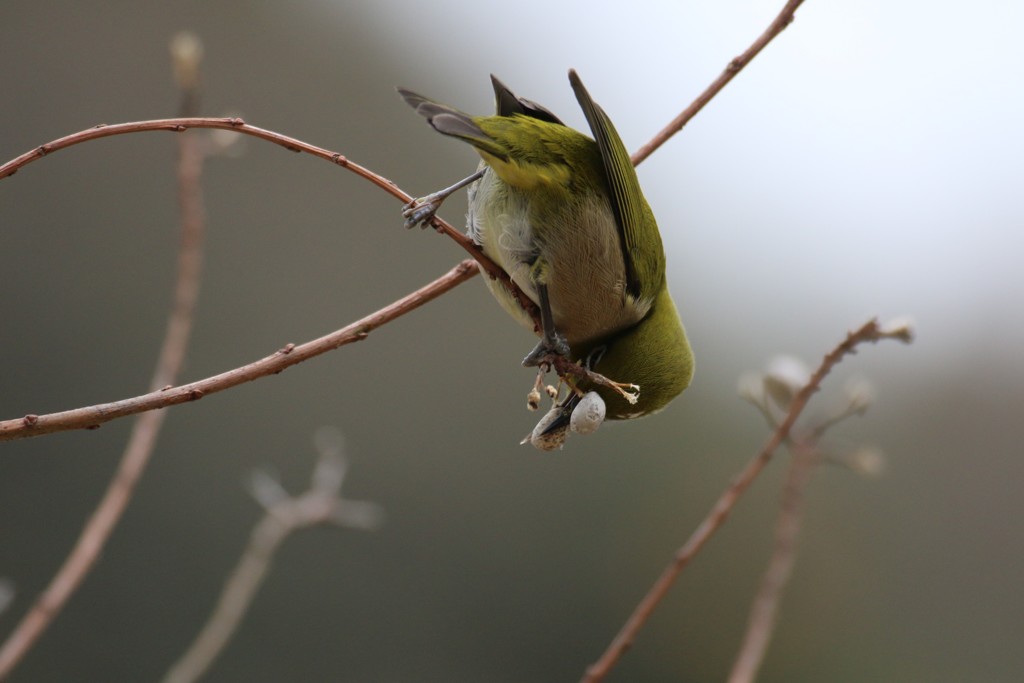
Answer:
(563, 214)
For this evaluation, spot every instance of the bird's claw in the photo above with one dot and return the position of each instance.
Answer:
(553, 345)
(421, 211)
(627, 390)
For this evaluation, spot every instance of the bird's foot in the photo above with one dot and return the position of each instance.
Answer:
(627, 390)
(422, 210)
(552, 345)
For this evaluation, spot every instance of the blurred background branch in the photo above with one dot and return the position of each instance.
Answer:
(765, 608)
(147, 426)
(796, 401)
(321, 504)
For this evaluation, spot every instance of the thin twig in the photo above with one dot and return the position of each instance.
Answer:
(784, 19)
(763, 612)
(90, 417)
(321, 504)
(178, 125)
(869, 332)
(146, 429)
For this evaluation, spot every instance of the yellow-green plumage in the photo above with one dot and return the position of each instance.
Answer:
(562, 212)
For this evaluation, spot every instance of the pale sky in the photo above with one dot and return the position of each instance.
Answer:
(867, 162)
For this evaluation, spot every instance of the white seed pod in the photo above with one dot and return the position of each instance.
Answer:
(785, 377)
(751, 388)
(868, 462)
(588, 414)
(186, 54)
(860, 393)
(549, 441)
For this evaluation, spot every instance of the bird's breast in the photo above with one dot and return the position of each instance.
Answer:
(571, 245)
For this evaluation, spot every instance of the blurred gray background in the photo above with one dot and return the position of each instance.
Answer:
(867, 163)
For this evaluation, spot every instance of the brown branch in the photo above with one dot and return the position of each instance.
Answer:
(92, 416)
(146, 429)
(787, 530)
(784, 19)
(178, 125)
(869, 332)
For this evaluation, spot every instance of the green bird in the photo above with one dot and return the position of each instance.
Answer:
(564, 216)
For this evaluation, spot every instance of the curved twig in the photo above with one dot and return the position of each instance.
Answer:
(178, 125)
(91, 417)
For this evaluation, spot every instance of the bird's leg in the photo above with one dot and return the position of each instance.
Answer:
(422, 210)
(551, 342)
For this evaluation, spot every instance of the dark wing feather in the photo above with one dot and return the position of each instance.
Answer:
(508, 104)
(641, 243)
(450, 121)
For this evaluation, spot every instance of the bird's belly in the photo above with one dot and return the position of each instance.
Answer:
(581, 262)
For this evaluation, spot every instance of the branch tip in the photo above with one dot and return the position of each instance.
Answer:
(901, 328)
(186, 56)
